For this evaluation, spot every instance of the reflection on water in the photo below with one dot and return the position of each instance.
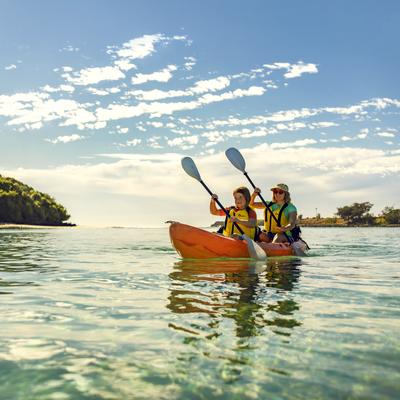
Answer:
(253, 296)
(23, 252)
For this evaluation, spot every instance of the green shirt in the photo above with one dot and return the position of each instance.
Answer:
(269, 224)
(289, 209)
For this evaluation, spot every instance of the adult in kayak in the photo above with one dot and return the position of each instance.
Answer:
(241, 213)
(284, 211)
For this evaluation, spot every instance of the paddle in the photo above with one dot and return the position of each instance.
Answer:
(255, 251)
(237, 160)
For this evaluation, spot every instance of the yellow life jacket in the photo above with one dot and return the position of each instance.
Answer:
(270, 224)
(229, 227)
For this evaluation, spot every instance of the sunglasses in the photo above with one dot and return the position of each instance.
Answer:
(277, 191)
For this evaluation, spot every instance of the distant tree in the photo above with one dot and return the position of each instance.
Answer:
(357, 213)
(391, 215)
(22, 204)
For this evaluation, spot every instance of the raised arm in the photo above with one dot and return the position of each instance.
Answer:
(213, 206)
(255, 204)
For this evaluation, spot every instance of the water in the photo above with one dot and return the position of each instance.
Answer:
(115, 314)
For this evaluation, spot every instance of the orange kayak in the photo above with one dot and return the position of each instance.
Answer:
(192, 242)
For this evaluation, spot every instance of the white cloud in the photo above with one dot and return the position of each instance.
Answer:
(98, 92)
(155, 124)
(122, 130)
(190, 63)
(160, 76)
(35, 107)
(32, 113)
(157, 109)
(355, 109)
(294, 70)
(138, 48)
(279, 116)
(213, 138)
(133, 142)
(198, 88)
(104, 92)
(20, 103)
(181, 131)
(61, 88)
(153, 142)
(218, 136)
(322, 124)
(296, 143)
(185, 142)
(299, 69)
(210, 85)
(66, 139)
(290, 126)
(116, 112)
(290, 115)
(69, 48)
(82, 118)
(251, 91)
(89, 76)
(277, 65)
(124, 65)
(386, 134)
(324, 178)
(156, 94)
(10, 67)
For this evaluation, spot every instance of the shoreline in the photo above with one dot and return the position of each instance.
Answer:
(7, 225)
(28, 226)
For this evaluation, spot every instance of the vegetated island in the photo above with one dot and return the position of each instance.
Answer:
(354, 215)
(23, 206)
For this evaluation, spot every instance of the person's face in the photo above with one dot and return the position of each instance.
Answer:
(240, 201)
(279, 194)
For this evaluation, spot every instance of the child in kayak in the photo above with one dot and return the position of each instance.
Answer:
(241, 213)
(284, 211)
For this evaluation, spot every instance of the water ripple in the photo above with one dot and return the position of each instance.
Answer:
(114, 313)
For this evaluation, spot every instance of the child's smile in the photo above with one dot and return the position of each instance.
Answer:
(240, 201)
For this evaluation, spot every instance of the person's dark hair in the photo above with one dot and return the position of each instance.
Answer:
(245, 192)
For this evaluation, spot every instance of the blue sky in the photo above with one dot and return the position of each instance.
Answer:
(100, 100)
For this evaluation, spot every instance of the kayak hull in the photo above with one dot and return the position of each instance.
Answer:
(192, 242)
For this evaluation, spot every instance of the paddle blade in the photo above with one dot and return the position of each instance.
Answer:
(299, 248)
(190, 168)
(235, 157)
(255, 251)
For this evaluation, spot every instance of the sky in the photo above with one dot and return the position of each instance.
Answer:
(100, 101)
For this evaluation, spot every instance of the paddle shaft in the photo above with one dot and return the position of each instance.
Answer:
(222, 207)
(265, 204)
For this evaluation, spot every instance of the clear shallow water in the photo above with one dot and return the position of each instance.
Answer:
(115, 314)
